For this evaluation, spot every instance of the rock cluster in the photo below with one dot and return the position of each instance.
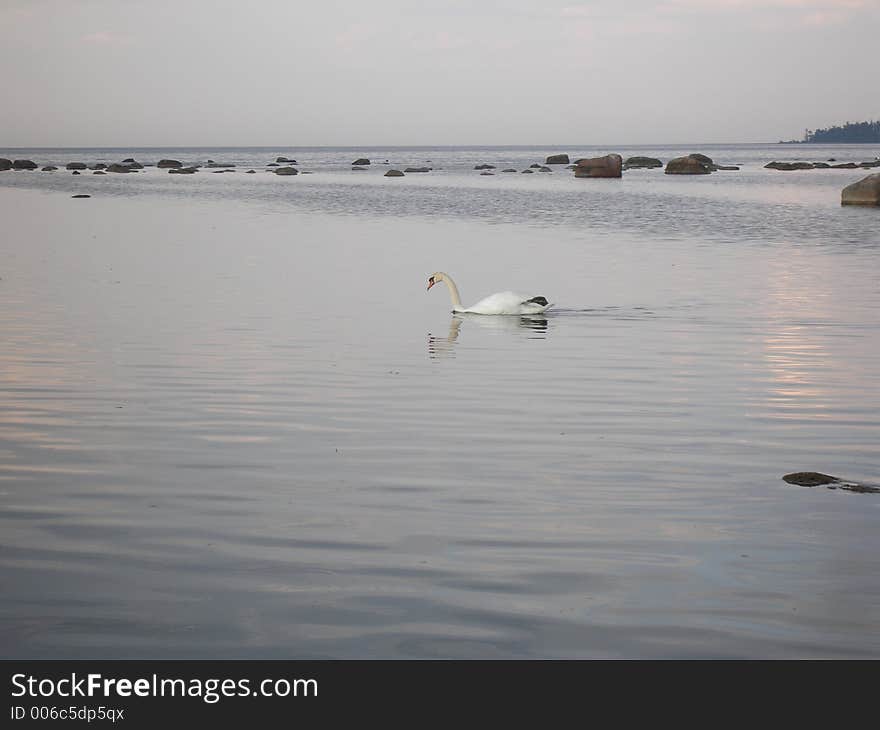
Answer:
(162, 164)
(607, 166)
(561, 159)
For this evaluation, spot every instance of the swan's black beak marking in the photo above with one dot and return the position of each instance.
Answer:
(430, 282)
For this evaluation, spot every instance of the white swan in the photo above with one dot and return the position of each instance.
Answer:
(505, 302)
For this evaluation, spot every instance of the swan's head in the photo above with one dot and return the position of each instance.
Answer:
(434, 278)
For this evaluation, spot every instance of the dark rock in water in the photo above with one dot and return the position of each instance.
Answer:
(163, 164)
(49, 168)
(218, 164)
(689, 165)
(726, 167)
(5, 164)
(76, 166)
(250, 172)
(81, 195)
(816, 479)
(561, 159)
(509, 169)
(99, 172)
(128, 160)
(535, 166)
(529, 171)
(845, 166)
(286, 171)
(76, 172)
(115, 167)
(98, 166)
(607, 166)
(486, 172)
(220, 172)
(182, 170)
(273, 164)
(873, 163)
(636, 163)
(132, 164)
(821, 165)
(864, 192)
(544, 168)
(417, 169)
(789, 165)
(394, 173)
(361, 161)
(484, 166)
(358, 167)
(24, 165)
(285, 159)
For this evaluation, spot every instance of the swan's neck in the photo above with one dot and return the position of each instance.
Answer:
(453, 293)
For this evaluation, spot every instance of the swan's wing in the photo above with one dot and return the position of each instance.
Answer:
(505, 302)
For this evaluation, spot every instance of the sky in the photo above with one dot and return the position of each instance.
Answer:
(126, 73)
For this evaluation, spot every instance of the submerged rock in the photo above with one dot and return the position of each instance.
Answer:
(182, 170)
(358, 167)
(817, 479)
(24, 165)
(607, 166)
(98, 166)
(162, 164)
(561, 159)
(864, 192)
(98, 172)
(286, 171)
(115, 167)
(789, 165)
(417, 169)
(845, 166)
(508, 169)
(484, 166)
(361, 161)
(81, 195)
(49, 168)
(76, 166)
(76, 172)
(285, 159)
(394, 173)
(5, 164)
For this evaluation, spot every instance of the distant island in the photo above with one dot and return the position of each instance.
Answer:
(854, 132)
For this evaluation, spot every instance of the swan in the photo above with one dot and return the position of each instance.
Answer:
(505, 302)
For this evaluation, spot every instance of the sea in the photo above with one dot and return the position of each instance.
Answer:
(234, 423)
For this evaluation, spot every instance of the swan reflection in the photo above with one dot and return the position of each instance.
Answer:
(533, 326)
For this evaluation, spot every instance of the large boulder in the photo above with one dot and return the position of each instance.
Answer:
(98, 166)
(24, 165)
(607, 166)
(5, 164)
(689, 165)
(635, 163)
(394, 173)
(863, 192)
(76, 166)
(561, 159)
(286, 171)
(169, 163)
(117, 167)
(285, 159)
(361, 161)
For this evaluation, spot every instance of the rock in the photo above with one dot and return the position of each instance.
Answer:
(689, 165)
(285, 159)
(182, 170)
(864, 192)
(5, 164)
(99, 172)
(115, 167)
(484, 166)
(76, 172)
(81, 195)
(726, 167)
(394, 173)
(361, 161)
(217, 164)
(486, 172)
(132, 164)
(250, 172)
(76, 166)
(816, 479)
(163, 164)
(286, 171)
(220, 172)
(509, 169)
(128, 160)
(845, 166)
(789, 165)
(535, 166)
(417, 169)
(98, 166)
(49, 168)
(358, 167)
(636, 163)
(874, 163)
(821, 165)
(24, 165)
(529, 170)
(607, 166)
(561, 159)
(544, 168)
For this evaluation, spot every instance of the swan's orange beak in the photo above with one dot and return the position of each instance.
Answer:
(430, 282)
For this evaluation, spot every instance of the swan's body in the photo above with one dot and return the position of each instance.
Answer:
(505, 302)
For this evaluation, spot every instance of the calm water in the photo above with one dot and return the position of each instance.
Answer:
(233, 423)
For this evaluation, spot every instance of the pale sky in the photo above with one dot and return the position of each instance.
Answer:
(424, 72)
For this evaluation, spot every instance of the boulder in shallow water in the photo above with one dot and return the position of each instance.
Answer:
(689, 165)
(864, 192)
(24, 165)
(394, 173)
(81, 195)
(286, 171)
(561, 159)
(817, 479)
(49, 168)
(606, 166)
(5, 164)
(484, 166)
(116, 167)
(361, 161)
(76, 166)
(285, 159)
(417, 169)
(845, 166)
(182, 170)
(636, 163)
(99, 172)
(76, 172)
(163, 164)
(98, 166)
